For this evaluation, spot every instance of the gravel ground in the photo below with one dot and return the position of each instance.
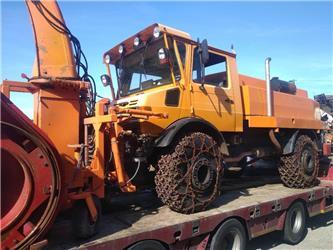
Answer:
(319, 236)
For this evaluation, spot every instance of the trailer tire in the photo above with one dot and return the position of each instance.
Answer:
(300, 169)
(82, 224)
(294, 229)
(230, 235)
(147, 245)
(189, 177)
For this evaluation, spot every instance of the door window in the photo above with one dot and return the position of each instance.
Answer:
(215, 69)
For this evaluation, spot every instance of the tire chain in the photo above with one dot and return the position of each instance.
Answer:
(170, 177)
(290, 170)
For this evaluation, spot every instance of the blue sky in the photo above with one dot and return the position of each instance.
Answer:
(297, 35)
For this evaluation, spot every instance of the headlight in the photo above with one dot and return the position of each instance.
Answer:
(106, 80)
(161, 54)
(107, 59)
(156, 32)
(121, 49)
(136, 41)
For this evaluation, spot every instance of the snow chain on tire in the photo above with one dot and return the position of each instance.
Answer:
(177, 181)
(292, 171)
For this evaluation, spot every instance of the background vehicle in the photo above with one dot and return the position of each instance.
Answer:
(179, 129)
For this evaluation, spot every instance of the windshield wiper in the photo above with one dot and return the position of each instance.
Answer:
(142, 63)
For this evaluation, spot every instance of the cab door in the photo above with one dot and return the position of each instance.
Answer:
(214, 100)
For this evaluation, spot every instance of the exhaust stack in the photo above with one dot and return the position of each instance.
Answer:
(268, 86)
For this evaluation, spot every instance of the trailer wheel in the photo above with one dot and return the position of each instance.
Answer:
(300, 170)
(147, 245)
(230, 235)
(294, 226)
(188, 179)
(82, 224)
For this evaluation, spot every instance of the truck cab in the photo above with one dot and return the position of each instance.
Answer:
(159, 70)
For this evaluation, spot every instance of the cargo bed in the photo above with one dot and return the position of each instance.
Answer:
(259, 202)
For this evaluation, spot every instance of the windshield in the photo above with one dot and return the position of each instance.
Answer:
(142, 69)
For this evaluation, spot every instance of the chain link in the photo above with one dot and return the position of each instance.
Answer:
(174, 179)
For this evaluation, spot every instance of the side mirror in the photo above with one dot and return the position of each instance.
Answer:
(163, 55)
(204, 58)
(106, 80)
(204, 51)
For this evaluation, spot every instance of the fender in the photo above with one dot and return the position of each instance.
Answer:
(190, 124)
(289, 147)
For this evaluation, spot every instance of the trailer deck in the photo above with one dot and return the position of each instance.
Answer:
(260, 204)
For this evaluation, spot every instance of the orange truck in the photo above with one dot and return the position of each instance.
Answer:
(180, 116)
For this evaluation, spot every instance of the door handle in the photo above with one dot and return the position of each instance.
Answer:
(229, 101)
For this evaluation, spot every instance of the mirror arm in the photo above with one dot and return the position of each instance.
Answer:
(202, 69)
(202, 63)
(111, 83)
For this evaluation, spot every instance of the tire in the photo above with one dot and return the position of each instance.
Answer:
(230, 236)
(294, 229)
(189, 178)
(82, 224)
(147, 245)
(300, 170)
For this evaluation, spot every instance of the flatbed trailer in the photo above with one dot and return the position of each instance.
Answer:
(261, 205)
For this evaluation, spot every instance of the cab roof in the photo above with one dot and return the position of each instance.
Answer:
(147, 34)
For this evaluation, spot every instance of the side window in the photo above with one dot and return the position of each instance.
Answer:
(215, 69)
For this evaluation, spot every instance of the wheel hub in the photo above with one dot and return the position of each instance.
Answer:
(231, 241)
(296, 221)
(202, 174)
(307, 161)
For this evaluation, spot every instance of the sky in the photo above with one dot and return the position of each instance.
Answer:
(298, 36)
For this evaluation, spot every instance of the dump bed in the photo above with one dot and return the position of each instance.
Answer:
(289, 110)
(256, 205)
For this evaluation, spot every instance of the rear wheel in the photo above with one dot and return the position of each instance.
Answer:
(295, 224)
(82, 224)
(188, 179)
(300, 170)
(230, 236)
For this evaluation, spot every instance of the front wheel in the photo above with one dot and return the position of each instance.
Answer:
(188, 179)
(82, 224)
(300, 169)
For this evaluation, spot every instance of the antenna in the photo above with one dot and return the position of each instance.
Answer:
(232, 49)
